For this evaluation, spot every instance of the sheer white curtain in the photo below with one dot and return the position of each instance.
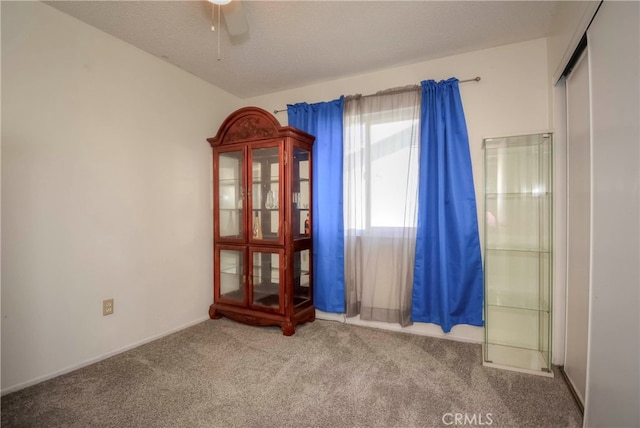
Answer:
(381, 143)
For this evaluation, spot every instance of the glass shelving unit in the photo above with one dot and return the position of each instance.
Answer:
(517, 253)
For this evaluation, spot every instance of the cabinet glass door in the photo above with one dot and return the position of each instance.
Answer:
(230, 195)
(266, 278)
(301, 277)
(301, 198)
(232, 276)
(265, 194)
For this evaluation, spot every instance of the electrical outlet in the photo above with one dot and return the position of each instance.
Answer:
(107, 307)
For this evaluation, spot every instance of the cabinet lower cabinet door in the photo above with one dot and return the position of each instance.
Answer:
(301, 277)
(232, 289)
(266, 279)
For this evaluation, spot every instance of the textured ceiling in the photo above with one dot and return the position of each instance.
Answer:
(296, 43)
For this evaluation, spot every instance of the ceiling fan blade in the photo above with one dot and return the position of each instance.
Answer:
(235, 19)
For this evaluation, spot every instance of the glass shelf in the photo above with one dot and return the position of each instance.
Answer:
(517, 359)
(517, 250)
(515, 306)
(520, 164)
(517, 279)
(519, 195)
(518, 222)
(273, 179)
(519, 328)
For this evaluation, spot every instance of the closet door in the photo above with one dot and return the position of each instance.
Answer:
(613, 377)
(578, 225)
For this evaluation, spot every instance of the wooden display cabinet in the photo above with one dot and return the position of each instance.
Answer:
(263, 264)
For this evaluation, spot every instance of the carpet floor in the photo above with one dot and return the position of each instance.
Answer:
(224, 374)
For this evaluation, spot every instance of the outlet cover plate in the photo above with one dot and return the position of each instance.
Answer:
(107, 307)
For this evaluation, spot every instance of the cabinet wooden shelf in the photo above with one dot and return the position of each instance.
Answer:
(262, 239)
(517, 256)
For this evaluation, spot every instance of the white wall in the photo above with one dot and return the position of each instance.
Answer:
(511, 99)
(105, 194)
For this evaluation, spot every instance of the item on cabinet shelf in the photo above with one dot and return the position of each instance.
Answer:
(261, 277)
(307, 226)
(257, 228)
(269, 204)
(231, 224)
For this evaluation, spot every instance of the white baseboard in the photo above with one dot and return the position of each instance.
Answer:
(69, 369)
(459, 333)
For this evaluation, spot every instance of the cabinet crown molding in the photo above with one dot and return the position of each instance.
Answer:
(251, 124)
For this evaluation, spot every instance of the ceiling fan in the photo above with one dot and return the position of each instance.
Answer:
(234, 18)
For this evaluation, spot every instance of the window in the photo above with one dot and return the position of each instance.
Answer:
(381, 163)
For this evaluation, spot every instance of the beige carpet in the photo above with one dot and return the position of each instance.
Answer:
(223, 374)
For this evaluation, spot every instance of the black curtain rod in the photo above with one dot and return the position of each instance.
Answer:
(475, 79)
